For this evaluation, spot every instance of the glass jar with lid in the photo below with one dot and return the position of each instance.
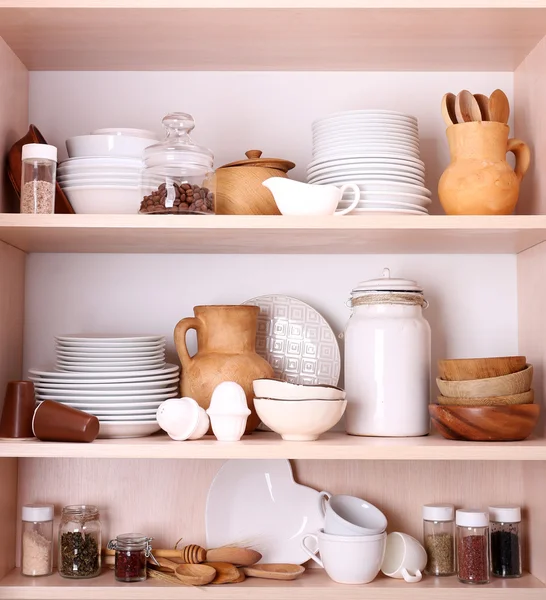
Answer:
(505, 524)
(37, 540)
(387, 359)
(79, 542)
(439, 538)
(472, 546)
(132, 553)
(178, 175)
(39, 169)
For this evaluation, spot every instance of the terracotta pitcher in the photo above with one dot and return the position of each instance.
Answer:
(479, 181)
(226, 340)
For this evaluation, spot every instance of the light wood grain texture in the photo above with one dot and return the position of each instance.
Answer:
(13, 112)
(462, 369)
(524, 398)
(8, 514)
(310, 586)
(280, 38)
(448, 109)
(499, 107)
(483, 103)
(280, 571)
(467, 107)
(514, 383)
(534, 477)
(199, 574)
(331, 446)
(414, 4)
(272, 235)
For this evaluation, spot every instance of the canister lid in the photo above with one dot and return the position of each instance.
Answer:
(388, 284)
(509, 513)
(472, 517)
(254, 159)
(38, 512)
(438, 512)
(39, 151)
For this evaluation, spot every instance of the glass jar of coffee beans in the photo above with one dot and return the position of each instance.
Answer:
(178, 177)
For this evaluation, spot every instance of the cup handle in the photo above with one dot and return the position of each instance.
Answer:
(522, 152)
(356, 192)
(309, 552)
(411, 578)
(323, 497)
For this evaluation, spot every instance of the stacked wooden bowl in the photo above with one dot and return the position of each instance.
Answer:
(485, 399)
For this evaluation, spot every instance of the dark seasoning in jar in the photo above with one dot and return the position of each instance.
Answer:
(79, 542)
(505, 541)
(132, 553)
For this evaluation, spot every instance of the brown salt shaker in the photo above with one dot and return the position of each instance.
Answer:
(55, 422)
(19, 406)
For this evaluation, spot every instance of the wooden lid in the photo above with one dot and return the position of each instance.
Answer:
(254, 160)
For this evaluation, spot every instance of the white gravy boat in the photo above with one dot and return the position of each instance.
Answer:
(296, 198)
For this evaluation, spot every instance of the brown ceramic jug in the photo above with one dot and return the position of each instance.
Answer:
(479, 181)
(226, 351)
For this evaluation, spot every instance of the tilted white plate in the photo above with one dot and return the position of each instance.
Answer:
(91, 338)
(127, 429)
(83, 399)
(56, 391)
(123, 389)
(257, 504)
(296, 340)
(108, 377)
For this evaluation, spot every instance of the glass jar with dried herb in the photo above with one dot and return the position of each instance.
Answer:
(473, 546)
(439, 538)
(79, 542)
(132, 552)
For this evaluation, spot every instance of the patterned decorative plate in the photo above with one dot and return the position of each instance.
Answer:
(297, 341)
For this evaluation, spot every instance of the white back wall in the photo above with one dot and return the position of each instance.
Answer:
(238, 111)
(472, 312)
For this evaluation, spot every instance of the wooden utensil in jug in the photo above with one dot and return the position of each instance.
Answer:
(483, 103)
(448, 109)
(467, 108)
(499, 107)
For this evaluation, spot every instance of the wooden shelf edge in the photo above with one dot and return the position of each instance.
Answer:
(331, 446)
(313, 585)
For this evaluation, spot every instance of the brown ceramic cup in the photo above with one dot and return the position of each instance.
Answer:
(19, 406)
(55, 422)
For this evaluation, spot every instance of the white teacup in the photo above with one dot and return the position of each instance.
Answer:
(405, 558)
(348, 515)
(348, 559)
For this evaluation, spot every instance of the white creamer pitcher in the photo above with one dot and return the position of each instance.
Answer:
(387, 359)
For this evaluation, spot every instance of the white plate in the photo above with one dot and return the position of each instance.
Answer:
(169, 368)
(384, 176)
(366, 147)
(123, 395)
(138, 407)
(114, 415)
(334, 123)
(332, 154)
(82, 398)
(121, 418)
(374, 185)
(382, 205)
(344, 128)
(384, 211)
(146, 387)
(128, 429)
(365, 131)
(107, 362)
(83, 356)
(369, 112)
(366, 139)
(385, 158)
(257, 504)
(105, 369)
(110, 339)
(110, 349)
(357, 172)
(296, 340)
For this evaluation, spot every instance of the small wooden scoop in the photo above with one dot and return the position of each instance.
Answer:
(225, 572)
(240, 557)
(284, 571)
(195, 574)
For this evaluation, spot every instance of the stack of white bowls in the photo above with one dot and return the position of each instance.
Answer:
(121, 380)
(379, 151)
(102, 175)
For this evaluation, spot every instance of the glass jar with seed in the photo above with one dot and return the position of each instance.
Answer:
(505, 522)
(473, 546)
(79, 542)
(38, 178)
(439, 538)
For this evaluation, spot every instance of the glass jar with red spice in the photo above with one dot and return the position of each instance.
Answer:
(132, 552)
(473, 546)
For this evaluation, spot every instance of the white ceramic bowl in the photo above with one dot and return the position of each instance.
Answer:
(127, 131)
(107, 145)
(101, 181)
(299, 421)
(104, 200)
(283, 390)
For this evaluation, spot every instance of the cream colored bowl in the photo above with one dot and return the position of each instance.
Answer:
(300, 421)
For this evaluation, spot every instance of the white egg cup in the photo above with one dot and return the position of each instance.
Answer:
(228, 411)
(182, 419)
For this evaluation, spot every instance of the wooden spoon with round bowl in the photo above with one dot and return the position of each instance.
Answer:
(483, 103)
(448, 109)
(467, 108)
(195, 574)
(499, 107)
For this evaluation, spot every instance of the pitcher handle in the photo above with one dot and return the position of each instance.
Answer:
(354, 203)
(180, 338)
(522, 152)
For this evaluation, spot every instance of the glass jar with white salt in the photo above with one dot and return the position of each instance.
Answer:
(37, 540)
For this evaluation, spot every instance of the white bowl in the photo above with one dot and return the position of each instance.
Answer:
(283, 390)
(107, 145)
(101, 181)
(299, 421)
(104, 200)
(127, 131)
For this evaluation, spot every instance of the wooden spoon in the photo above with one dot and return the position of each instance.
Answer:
(499, 107)
(225, 572)
(283, 571)
(240, 557)
(483, 103)
(467, 108)
(448, 109)
(195, 574)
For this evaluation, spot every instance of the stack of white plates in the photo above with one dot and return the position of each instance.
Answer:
(379, 151)
(121, 380)
(102, 174)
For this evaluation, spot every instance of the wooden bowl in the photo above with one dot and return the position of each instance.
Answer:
(485, 423)
(15, 169)
(524, 398)
(507, 385)
(463, 369)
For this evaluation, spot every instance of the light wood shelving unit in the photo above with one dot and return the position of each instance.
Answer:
(275, 35)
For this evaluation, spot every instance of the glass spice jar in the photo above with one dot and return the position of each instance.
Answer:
(37, 540)
(79, 542)
(504, 522)
(439, 538)
(132, 552)
(39, 168)
(473, 546)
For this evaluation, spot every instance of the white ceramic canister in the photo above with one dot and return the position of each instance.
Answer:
(387, 359)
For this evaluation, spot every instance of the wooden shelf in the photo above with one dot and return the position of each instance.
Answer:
(272, 235)
(331, 446)
(292, 35)
(313, 585)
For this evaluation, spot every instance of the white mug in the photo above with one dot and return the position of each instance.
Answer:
(348, 559)
(348, 515)
(405, 558)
